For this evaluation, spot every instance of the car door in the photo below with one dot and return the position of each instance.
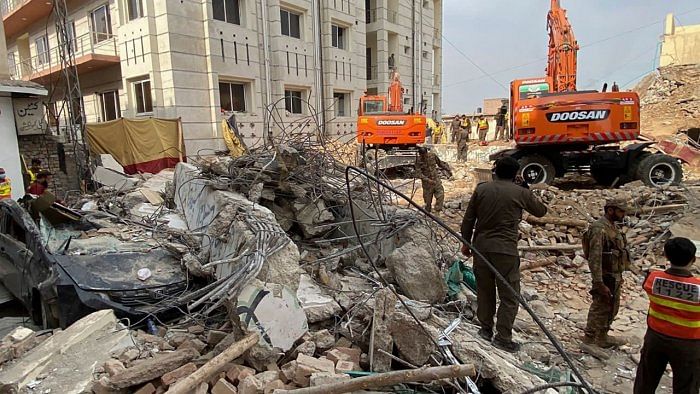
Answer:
(15, 258)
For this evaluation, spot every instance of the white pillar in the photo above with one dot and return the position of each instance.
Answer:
(9, 149)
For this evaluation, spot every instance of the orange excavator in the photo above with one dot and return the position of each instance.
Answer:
(558, 129)
(386, 134)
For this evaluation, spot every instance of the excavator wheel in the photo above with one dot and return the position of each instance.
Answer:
(537, 169)
(660, 170)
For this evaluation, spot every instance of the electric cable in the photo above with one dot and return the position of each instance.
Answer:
(491, 267)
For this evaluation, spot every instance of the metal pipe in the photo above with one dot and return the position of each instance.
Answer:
(266, 62)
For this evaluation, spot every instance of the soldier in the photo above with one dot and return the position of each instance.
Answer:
(454, 128)
(463, 141)
(492, 218)
(427, 164)
(605, 247)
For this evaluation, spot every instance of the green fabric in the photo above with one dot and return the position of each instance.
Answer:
(459, 274)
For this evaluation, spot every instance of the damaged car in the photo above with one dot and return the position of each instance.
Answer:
(63, 265)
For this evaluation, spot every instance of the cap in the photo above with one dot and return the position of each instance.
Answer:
(2, 171)
(620, 203)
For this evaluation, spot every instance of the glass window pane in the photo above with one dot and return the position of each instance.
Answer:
(238, 97)
(294, 30)
(138, 90)
(232, 12)
(284, 18)
(341, 43)
(101, 24)
(148, 103)
(225, 97)
(135, 9)
(296, 102)
(218, 6)
(288, 101)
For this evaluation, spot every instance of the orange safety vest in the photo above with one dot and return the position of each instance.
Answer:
(674, 304)
(5, 189)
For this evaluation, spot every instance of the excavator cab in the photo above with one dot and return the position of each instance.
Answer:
(372, 105)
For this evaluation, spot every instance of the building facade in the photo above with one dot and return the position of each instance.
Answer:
(203, 61)
(680, 44)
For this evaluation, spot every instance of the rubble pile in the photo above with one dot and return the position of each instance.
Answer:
(669, 100)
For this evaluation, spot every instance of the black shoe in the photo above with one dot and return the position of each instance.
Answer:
(508, 346)
(486, 334)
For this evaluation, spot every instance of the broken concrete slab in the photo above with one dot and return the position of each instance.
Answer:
(274, 312)
(114, 179)
(68, 358)
(414, 269)
(414, 345)
(380, 338)
(310, 216)
(228, 219)
(317, 305)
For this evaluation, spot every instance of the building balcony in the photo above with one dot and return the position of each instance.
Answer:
(93, 51)
(18, 15)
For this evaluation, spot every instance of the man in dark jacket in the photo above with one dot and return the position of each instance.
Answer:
(491, 225)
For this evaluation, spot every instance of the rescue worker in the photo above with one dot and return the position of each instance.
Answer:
(34, 170)
(429, 130)
(438, 132)
(673, 323)
(427, 163)
(463, 142)
(608, 256)
(483, 127)
(5, 185)
(39, 186)
(454, 128)
(491, 225)
(501, 123)
(466, 125)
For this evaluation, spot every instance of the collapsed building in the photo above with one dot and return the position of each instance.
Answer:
(299, 272)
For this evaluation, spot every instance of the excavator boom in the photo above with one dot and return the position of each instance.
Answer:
(563, 48)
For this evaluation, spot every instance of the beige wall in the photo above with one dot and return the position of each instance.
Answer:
(681, 44)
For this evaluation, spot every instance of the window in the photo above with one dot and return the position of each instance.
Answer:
(70, 30)
(109, 103)
(340, 102)
(373, 106)
(290, 24)
(232, 96)
(101, 24)
(338, 34)
(292, 101)
(135, 9)
(425, 54)
(227, 11)
(142, 92)
(42, 50)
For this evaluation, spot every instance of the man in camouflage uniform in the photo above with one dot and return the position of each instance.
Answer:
(608, 257)
(463, 140)
(427, 164)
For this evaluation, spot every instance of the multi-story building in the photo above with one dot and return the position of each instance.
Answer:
(202, 61)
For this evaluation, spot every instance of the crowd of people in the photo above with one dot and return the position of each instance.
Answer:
(462, 127)
(35, 177)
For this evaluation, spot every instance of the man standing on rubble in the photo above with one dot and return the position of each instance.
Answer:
(605, 247)
(454, 128)
(463, 142)
(427, 163)
(673, 323)
(492, 218)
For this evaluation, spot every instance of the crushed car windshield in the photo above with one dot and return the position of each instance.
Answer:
(85, 239)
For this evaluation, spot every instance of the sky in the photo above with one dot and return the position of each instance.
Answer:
(488, 43)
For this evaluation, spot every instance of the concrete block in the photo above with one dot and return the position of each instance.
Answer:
(250, 385)
(237, 373)
(148, 388)
(112, 366)
(112, 178)
(270, 387)
(321, 378)
(344, 366)
(224, 387)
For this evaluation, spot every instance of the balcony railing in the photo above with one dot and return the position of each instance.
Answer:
(90, 44)
(372, 73)
(371, 15)
(7, 6)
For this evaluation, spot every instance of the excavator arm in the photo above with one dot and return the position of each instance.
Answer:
(563, 48)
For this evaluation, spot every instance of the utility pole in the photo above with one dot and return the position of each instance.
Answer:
(72, 104)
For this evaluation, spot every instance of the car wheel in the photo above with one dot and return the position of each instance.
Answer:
(660, 170)
(537, 169)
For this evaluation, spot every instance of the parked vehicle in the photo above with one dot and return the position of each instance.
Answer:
(64, 271)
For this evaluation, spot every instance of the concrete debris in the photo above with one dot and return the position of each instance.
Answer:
(415, 270)
(317, 305)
